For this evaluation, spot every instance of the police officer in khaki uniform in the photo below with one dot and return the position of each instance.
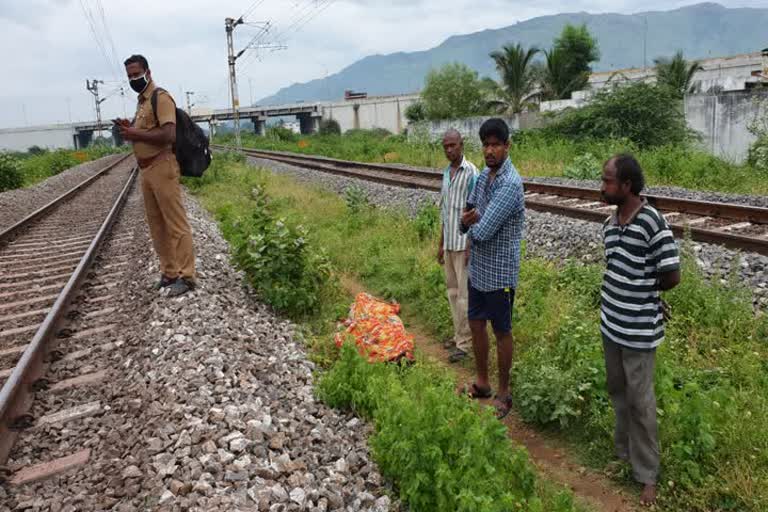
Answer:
(153, 135)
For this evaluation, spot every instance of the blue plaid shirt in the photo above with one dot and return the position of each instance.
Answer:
(494, 261)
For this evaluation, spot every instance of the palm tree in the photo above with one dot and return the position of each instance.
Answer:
(677, 73)
(518, 83)
(558, 80)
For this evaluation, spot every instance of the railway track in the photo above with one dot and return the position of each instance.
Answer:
(55, 284)
(731, 225)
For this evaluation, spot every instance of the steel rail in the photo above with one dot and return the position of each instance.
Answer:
(17, 393)
(430, 179)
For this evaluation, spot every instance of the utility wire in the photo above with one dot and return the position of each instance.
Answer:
(94, 33)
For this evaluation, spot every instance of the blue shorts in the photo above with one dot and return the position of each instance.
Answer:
(495, 306)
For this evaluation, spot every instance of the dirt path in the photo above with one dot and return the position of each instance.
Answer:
(550, 456)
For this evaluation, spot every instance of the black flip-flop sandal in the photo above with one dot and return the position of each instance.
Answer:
(477, 393)
(501, 412)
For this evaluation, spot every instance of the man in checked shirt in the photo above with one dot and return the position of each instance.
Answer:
(494, 220)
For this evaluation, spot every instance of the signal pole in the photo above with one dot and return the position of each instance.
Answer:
(93, 87)
(189, 103)
(229, 26)
(254, 44)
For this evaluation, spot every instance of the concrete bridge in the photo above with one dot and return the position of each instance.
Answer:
(386, 112)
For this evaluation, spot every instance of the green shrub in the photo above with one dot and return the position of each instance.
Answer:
(644, 114)
(36, 150)
(281, 133)
(427, 221)
(758, 155)
(329, 127)
(60, 160)
(416, 112)
(279, 263)
(10, 173)
(440, 452)
(584, 167)
(356, 198)
(559, 386)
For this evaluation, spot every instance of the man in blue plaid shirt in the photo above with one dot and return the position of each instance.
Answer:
(494, 220)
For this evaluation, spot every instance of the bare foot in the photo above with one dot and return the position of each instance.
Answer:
(648, 497)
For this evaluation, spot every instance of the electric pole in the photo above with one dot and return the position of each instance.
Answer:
(189, 102)
(645, 44)
(254, 44)
(93, 87)
(229, 26)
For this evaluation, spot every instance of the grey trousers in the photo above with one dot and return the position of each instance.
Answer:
(629, 376)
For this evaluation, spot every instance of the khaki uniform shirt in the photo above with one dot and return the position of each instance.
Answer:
(146, 120)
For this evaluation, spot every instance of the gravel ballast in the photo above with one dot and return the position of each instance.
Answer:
(210, 407)
(17, 204)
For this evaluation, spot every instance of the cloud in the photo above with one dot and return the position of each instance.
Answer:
(54, 50)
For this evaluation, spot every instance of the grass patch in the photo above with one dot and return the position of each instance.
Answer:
(39, 165)
(534, 153)
(439, 450)
(712, 376)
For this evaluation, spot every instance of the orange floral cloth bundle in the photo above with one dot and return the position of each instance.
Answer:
(379, 333)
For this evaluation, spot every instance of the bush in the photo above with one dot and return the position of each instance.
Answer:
(584, 167)
(427, 221)
(642, 113)
(559, 386)
(330, 127)
(441, 453)
(758, 155)
(280, 265)
(281, 133)
(10, 173)
(416, 112)
(356, 198)
(60, 160)
(36, 150)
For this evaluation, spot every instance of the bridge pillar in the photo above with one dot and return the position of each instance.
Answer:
(212, 128)
(259, 125)
(83, 139)
(116, 137)
(309, 122)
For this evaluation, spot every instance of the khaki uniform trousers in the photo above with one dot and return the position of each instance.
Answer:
(167, 219)
(456, 280)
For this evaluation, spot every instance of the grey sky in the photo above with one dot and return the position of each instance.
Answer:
(49, 49)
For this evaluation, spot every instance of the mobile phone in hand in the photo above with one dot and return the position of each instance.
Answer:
(469, 206)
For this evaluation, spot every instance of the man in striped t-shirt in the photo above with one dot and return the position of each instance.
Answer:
(458, 179)
(642, 260)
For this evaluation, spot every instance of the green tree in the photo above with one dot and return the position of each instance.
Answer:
(677, 73)
(568, 62)
(416, 112)
(645, 114)
(11, 175)
(329, 127)
(452, 92)
(556, 84)
(518, 80)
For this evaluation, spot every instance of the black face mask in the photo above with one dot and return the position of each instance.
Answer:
(139, 84)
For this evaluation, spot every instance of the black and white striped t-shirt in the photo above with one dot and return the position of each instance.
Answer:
(635, 254)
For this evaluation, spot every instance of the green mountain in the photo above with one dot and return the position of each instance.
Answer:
(701, 31)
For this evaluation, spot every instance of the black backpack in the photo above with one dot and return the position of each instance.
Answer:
(191, 145)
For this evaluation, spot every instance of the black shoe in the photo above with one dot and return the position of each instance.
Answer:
(180, 287)
(164, 282)
(457, 356)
